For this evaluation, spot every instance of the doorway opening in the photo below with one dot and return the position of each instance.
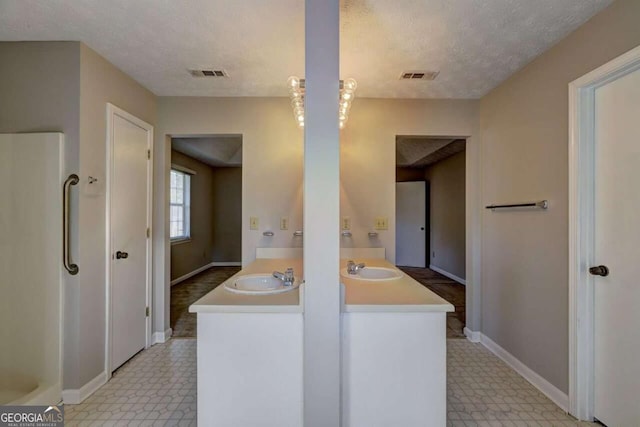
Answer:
(430, 218)
(205, 214)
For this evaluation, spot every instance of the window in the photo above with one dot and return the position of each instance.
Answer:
(179, 216)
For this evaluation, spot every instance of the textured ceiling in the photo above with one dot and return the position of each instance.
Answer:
(216, 151)
(420, 151)
(475, 44)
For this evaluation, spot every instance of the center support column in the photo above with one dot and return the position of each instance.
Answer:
(322, 373)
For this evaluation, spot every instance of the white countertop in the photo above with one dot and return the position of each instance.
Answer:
(221, 300)
(399, 295)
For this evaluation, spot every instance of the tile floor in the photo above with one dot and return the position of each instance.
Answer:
(155, 388)
(158, 388)
(448, 289)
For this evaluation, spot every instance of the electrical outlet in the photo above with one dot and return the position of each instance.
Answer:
(284, 223)
(382, 223)
(346, 223)
(254, 223)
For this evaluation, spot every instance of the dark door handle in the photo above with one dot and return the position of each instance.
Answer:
(422, 228)
(122, 255)
(600, 270)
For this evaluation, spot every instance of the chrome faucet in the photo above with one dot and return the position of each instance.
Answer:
(286, 277)
(353, 268)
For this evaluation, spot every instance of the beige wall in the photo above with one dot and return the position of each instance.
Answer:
(404, 174)
(368, 156)
(31, 103)
(227, 215)
(271, 170)
(100, 83)
(524, 126)
(197, 252)
(216, 213)
(447, 182)
(272, 162)
(64, 86)
(40, 92)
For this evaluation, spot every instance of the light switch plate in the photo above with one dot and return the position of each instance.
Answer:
(254, 223)
(346, 223)
(284, 223)
(382, 223)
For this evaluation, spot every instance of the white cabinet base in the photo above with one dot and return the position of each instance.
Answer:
(250, 369)
(394, 369)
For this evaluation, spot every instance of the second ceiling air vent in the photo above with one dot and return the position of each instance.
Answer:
(419, 75)
(208, 73)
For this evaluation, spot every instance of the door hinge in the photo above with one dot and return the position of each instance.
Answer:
(149, 154)
(148, 232)
(146, 312)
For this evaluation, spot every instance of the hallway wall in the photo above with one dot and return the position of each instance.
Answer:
(524, 125)
(227, 215)
(447, 179)
(216, 215)
(196, 252)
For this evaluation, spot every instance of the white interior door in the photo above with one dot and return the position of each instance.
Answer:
(617, 238)
(410, 224)
(130, 252)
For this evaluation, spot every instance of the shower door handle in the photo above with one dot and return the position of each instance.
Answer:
(66, 233)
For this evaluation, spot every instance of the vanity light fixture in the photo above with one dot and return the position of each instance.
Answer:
(296, 92)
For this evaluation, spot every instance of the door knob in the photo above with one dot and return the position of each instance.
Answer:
(600, 270)
(122, 255)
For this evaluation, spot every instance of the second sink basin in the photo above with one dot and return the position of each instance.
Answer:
(373, 274)
(259, 284)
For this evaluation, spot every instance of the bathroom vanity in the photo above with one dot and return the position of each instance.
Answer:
(250, 351)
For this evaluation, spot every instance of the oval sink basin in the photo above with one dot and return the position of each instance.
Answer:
(373, 274)
(259, 284)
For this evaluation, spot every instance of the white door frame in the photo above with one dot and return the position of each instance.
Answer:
(113, 111)
(581, 228)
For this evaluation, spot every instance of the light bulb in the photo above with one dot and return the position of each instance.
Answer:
(350, 85)
(293, 82)
(347, 95)
(341, 124)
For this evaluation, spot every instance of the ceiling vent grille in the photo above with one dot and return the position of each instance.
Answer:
(419, 75)
(208, 73)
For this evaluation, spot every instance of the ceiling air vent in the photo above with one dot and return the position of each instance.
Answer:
(208, 73)
(419, 75)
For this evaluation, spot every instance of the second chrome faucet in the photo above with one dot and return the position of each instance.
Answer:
(353, 268)
(287, 277)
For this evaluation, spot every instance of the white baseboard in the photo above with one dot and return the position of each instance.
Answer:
(76, 396)
(548, 389)
(473, 336)
(160, 337)
(447, 274)
(203, 268)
